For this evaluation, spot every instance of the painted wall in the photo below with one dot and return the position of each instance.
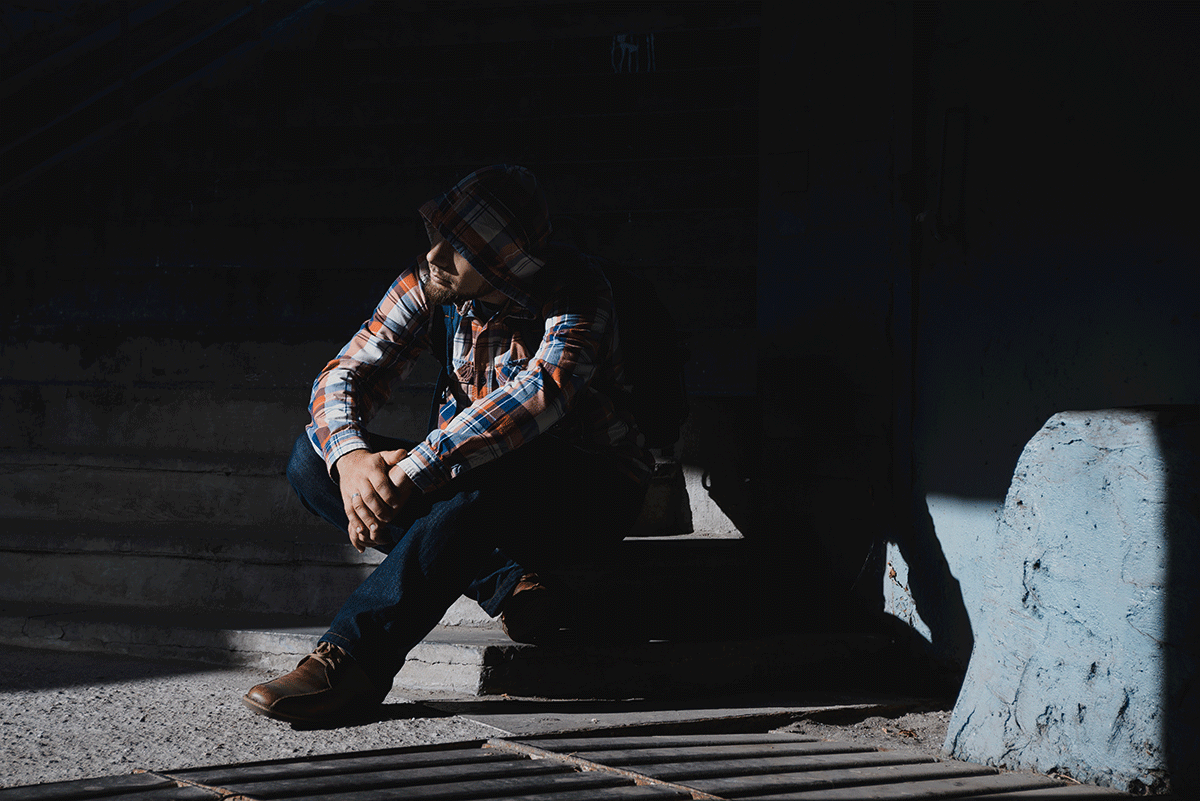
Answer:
(1071, 283)
(986, 219)
(1062, 277)
(826, 296)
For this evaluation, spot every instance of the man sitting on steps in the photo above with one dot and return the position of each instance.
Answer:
(535, 458)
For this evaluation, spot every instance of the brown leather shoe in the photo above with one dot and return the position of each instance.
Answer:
(530, 614)
(326, 687)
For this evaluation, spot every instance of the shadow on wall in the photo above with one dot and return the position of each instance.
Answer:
(1179, 441)
(718, 445)
(923, 593)
(719, 450)
(1064, 286)
(1079, 319)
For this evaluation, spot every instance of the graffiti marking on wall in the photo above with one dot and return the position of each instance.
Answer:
(633, 52)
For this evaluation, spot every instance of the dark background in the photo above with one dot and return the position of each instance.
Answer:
(201, 208)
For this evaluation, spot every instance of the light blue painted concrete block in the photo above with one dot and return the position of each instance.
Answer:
(898, 597)
(1083, 606)
(933, 585)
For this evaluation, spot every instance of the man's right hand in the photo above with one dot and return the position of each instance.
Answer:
(369, 497)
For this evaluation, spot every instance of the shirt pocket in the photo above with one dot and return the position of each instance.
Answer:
(507, 365)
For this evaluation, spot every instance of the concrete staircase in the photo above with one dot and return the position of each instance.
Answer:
(215, 601)
(207, 200)
(145, 511)
(653, 620)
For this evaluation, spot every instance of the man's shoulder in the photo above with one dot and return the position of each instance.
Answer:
(562, 256)
(569, 270)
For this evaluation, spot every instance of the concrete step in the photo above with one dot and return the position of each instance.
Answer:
(242, 491)
(76, 490)
(162, 418)
(310, 571)
(460, 660)
(251, 570)
(113, 355)
(160, 425)
(100, 387)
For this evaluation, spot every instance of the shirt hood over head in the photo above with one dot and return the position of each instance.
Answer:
(497, 218)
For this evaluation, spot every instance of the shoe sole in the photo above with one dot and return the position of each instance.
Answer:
(259, 709)
(347, 718)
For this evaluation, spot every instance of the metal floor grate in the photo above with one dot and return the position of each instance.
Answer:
(583, 768)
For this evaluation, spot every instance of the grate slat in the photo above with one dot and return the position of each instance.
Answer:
(594, 743)
(740, 786)
(722, 767)
(137, 785)
(692, 772)
(375, 781)
(638, 756)
(340, 765)
(933, 788)
(543, 786)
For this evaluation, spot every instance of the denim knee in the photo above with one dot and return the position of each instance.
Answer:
(309, 478)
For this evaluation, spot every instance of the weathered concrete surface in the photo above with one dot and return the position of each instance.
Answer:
(1086, 638)
(152, 568)
(468, 660)
(77, 715)
(71, 716)
(277, 568)
(898, 598)
(454, 659)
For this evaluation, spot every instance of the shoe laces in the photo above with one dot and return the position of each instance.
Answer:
(328, 655)
(527, 582)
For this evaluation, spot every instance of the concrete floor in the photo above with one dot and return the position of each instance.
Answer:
(66, 715)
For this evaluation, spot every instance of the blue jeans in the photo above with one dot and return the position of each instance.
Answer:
(543, 505)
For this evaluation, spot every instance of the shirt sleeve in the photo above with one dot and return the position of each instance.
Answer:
(577, 334)
(353, 386)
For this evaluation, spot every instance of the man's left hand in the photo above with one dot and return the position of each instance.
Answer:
(365, 524)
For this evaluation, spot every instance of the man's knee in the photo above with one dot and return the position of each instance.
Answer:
(306, 470)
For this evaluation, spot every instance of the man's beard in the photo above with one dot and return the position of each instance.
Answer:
(438, 295)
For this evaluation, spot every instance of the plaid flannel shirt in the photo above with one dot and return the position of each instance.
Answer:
(504, 391)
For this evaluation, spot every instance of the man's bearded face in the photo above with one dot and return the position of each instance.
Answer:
(450, 278)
